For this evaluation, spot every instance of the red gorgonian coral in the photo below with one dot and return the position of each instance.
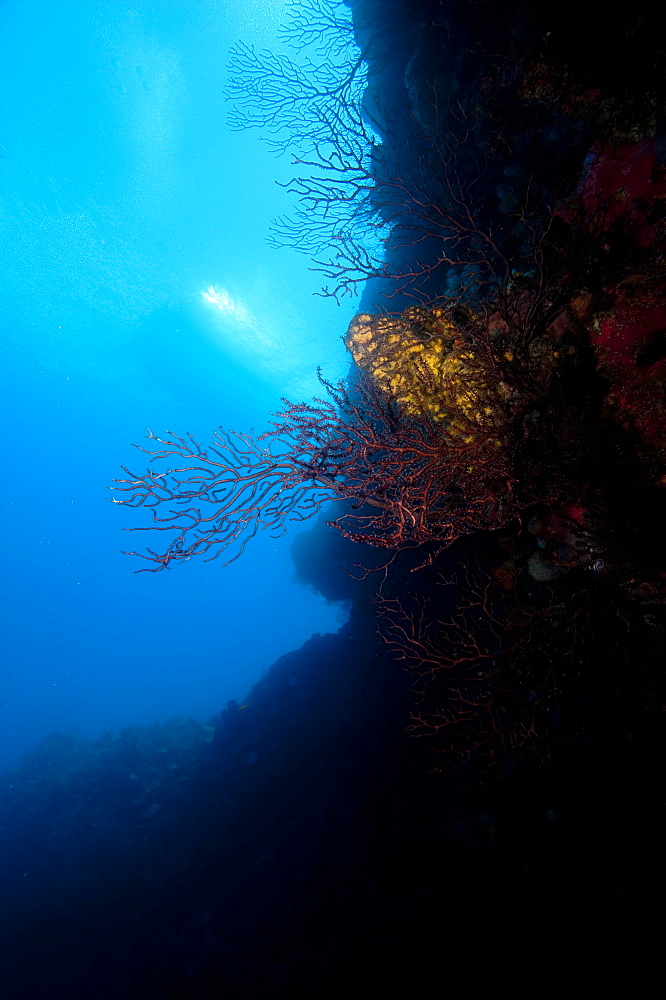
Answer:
(404, 480)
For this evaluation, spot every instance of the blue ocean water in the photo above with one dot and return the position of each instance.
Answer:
(137, 291)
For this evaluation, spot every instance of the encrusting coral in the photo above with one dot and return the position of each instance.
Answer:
(420, 359)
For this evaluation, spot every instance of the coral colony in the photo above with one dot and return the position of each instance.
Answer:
(501, 433)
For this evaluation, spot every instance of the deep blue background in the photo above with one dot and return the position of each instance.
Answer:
(123, 197)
